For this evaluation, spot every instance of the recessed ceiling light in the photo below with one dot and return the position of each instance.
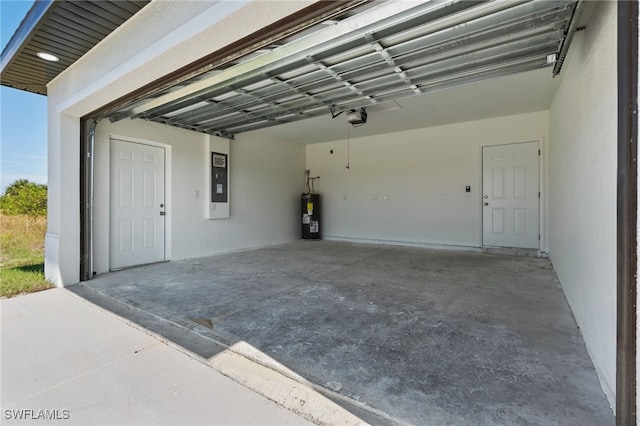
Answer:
(47, 57)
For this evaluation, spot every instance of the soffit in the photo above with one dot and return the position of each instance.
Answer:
(66, 29)
(368, 57)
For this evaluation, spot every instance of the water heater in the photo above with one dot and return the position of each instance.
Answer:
(310, 208)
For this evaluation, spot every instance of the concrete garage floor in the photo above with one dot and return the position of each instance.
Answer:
(394, 334)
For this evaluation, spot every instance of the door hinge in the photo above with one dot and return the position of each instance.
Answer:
(538, 237)
(538, 153)
(539, 194)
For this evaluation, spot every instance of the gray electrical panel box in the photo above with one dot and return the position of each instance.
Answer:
(219, 178)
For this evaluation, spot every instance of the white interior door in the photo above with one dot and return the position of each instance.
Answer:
(510, 195)
(137, 200)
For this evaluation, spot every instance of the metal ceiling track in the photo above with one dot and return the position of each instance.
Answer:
(386, 52)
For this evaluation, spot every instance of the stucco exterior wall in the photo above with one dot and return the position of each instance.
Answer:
(583, 155)
(413, 169)
(62, 240)
(176, 34)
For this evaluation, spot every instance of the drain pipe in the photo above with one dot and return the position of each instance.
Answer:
(90, 174)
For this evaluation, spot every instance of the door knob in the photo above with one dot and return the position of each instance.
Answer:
(161, 213)
(486, 204)
(161, 205)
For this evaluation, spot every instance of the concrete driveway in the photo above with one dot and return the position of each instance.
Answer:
(395, 335)
(68, 361)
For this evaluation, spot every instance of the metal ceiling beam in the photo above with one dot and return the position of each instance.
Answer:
(329, 41)
(395, 89)
(327, 54)
(428, 65)
(425, 87)
(568, 37)
(388, 52)
(396, 68)
(370, 37)
(264, 38)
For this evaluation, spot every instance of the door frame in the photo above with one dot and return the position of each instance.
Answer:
(627, 216)
(542, 178)
(167, 188)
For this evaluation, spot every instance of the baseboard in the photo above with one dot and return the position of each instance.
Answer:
(440, 246)
(435, 246)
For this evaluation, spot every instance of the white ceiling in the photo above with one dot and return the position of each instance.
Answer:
(514, 94)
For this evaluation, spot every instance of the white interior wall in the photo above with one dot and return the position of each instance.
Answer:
(266, 177)
(583, 154)
(413, 169)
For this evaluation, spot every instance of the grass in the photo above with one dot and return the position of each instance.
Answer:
(22, 254)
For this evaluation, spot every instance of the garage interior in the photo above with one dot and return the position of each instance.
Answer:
(406, 312)
(406, 73)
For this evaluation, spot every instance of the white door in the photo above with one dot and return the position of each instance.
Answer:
(510, 197)
(137, 199)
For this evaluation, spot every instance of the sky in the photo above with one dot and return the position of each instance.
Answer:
(23, 115)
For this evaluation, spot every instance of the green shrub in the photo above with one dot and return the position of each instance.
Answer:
(24, 197)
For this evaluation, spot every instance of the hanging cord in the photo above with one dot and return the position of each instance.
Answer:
(348, 166)
(309, 187)
(313, 180)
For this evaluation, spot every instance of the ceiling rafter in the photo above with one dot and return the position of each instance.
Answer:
(345, 35)
(396, 68)
(381, 53)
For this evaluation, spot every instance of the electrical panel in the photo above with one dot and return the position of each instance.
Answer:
(219, 178)
(217, 162)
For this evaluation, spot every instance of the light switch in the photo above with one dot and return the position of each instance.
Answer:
(443, 195)
(196, 194)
